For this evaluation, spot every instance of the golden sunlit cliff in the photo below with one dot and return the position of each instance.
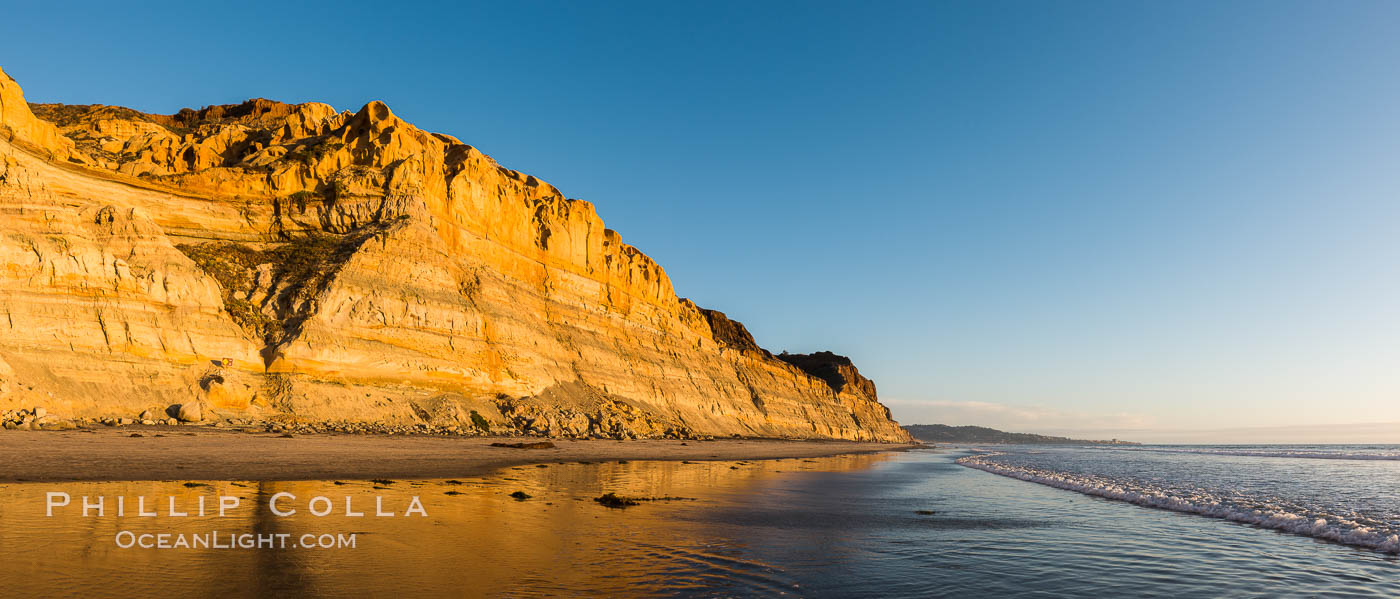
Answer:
(274, 261)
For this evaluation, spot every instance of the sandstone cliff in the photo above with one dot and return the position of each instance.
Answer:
(276, 261)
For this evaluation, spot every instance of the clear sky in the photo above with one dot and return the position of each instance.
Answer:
(1106, 217)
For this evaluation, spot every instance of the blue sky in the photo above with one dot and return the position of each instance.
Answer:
(1111, 217)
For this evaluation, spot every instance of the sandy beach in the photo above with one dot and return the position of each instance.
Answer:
(189, 453)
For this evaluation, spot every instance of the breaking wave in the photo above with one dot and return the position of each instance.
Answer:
(1320, 454)
(1266, 513)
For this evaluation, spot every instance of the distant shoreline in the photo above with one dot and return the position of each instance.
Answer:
(189, 453)
(943, 433)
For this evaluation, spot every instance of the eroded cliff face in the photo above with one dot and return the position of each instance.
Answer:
(268, 260)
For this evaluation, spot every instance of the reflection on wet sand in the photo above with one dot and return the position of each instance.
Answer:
(475, 540)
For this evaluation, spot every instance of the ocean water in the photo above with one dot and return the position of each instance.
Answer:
(924, 523)
(1341, 493)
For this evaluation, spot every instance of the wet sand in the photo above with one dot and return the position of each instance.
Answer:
(190, 453)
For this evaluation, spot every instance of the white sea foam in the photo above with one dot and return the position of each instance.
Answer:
(1270, 453)
(1263, 512)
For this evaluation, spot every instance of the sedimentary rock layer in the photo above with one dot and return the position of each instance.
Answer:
(269, 260)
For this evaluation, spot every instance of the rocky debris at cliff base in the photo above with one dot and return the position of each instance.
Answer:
(187, 412)
(535, 445)
(579, 410)
(14, 420)
(36, 418)
(25, 420)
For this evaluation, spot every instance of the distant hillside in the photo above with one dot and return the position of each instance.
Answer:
(942, 433)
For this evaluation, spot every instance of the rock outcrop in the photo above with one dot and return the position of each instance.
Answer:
(298, 263)
(836, 370)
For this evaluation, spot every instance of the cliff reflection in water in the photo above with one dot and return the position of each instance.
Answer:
(475, 540)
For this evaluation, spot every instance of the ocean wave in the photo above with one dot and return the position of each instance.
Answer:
(1266, 453)
(1265, 513)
